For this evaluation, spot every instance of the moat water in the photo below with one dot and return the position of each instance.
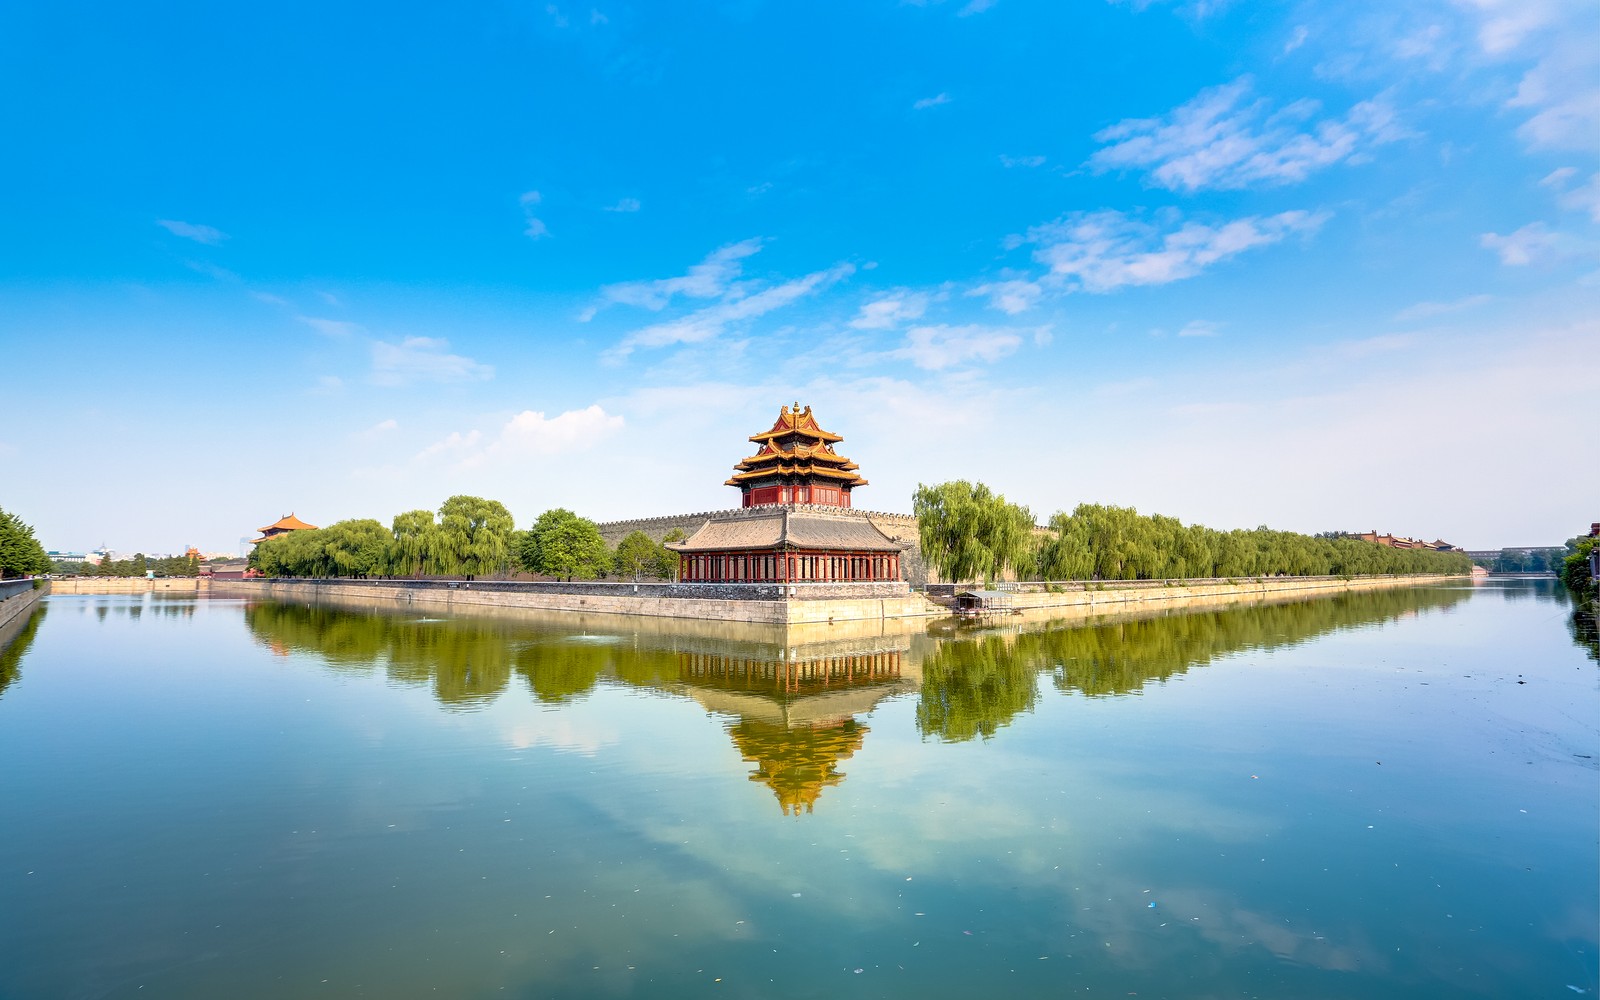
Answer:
(1387, 794)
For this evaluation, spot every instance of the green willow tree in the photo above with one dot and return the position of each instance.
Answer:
(412, 542)
(474, 537)
(968, 532)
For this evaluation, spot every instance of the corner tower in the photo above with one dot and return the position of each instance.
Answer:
(796, 463)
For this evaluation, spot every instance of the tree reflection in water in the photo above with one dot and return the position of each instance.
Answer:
(974, 686)
(795, 713)
(15, 639)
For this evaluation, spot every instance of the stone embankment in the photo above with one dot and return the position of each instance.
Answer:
(17, 600)
(797, 604)
(774, 604)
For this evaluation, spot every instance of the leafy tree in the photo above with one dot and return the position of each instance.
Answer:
(356, 548)
(20, 552)
(474, 537)
(968, 532)
(1575, 567)
(668, 570)
(414, 537)
(563, 545)
(638, 555)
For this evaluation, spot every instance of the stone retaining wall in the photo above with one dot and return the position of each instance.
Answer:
(659, 601)
(17, 601)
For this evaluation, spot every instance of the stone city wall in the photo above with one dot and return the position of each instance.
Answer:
(17, 598)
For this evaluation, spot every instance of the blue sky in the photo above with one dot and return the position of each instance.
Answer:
(1309, 265)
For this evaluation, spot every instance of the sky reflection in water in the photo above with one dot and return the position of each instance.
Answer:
(1348, 796)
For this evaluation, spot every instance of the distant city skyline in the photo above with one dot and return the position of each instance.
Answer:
(1315, 267)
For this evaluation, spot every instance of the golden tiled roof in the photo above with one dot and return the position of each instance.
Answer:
(287, 523)
(796, 447)
(795, 421)
(783, 528)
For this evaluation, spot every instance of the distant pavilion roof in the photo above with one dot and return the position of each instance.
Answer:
(288, 523)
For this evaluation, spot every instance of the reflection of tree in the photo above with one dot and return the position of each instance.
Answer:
(973, 687)
(12, 650)
(797, 763)
(561, 671)
(1584, 631)
(467, 662)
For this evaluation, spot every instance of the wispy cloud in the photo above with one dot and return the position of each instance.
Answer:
(975, 7)
(624, 205)
(935, 348)
(533, 226)
(890, 310)
(1012, 297)
(1562, 87)
(1021, 161)
(1226, 139)
(712, 278)
(931, 102)
(1200, 328)
(1106, 250)
(1297, 38)
(384, 426)
(423, 359)
(709, 322)
(332, 327)
(1427, 310)
(208, 235)
(1527, 245)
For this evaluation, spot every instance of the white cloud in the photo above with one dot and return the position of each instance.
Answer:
(976, 7)
(385, 425)
(1584, 198)
(624, 205)
(1106, 250)
(1562, 87)
(534, 227)
(456, 444)
(191, 231)
(709, 322)
(1200, 328)
(712, 278)
(1011, 297)
(1531, 243)
(1021, 161)
(890, 310)
(1224, 139)
(531, 432)
(527, 433)
(1426, 310)
(423, 359)
(331, 327)
(931, 102)
(269, 298)
(934, 348)
(1296, 39)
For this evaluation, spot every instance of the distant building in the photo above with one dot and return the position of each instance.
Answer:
(282, 526)
(1401, 542)
(225, 569)
(792, 527)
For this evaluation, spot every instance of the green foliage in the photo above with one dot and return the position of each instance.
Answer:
(1575, 567)
(968, 532)
(563, 545)
(414, 537)
(20, 553)
(638, 556)
(1097, 542)
(474, 537)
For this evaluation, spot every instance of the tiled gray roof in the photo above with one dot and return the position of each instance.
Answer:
(793, 529)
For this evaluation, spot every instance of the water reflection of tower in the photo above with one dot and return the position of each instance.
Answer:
(795, 714)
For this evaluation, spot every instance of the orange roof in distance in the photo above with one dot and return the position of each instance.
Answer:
(287, 523)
